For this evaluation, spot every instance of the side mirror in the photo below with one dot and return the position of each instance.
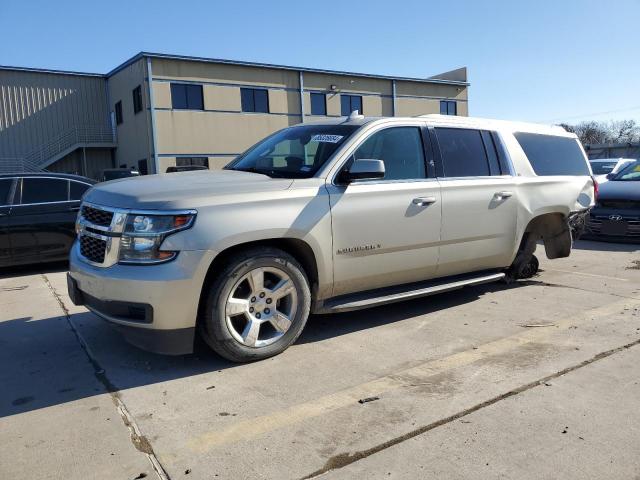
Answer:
(610, 176)
(363, 169)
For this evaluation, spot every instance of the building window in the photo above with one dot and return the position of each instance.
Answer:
(448, 107)
(188, 161)
(118, 110)
(186, 97)
(254, 100)
(318, 104)
(350, 103)
(137, 99)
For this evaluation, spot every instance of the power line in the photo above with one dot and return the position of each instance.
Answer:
(630, 109)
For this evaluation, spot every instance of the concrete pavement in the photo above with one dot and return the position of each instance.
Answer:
(433, 364)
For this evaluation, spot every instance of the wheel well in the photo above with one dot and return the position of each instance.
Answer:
(298, 249)
(553, 229)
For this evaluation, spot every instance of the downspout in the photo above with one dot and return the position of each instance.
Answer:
(301, 96)
(393, 98)
(152, 108)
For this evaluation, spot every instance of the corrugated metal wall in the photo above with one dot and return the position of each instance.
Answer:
(37, 107)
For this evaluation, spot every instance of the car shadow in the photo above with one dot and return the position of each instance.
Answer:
(605, 246)
(43, 362)
(34, 269)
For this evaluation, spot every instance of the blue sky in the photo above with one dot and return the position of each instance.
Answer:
(543, 60)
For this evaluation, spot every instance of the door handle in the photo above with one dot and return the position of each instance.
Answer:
(423, 201)
(74, 209)
(503, 195)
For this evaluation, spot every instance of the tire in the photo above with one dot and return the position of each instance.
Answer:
(256, 306)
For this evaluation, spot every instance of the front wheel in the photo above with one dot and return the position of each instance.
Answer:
(257, 305)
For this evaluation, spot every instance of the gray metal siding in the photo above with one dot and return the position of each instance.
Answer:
(36, 108)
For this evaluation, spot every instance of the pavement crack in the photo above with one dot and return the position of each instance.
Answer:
(139, 441)
(344, 459)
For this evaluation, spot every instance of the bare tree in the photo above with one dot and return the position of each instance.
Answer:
(594, 132)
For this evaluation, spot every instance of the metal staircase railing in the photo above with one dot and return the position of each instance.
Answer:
(38, 159)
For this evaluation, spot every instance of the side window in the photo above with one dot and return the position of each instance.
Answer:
(492, 153)
(553, 155)
(350, 103)
(137, 99)
(254, 100)
(318, 103)
(42, 190)
(77, 189)
(5, 189)
(462, 152)
(401, 150)
(118, 110)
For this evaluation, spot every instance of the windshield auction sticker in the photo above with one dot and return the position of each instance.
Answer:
(326, 138)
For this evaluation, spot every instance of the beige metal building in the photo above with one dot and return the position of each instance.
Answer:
(158, 110)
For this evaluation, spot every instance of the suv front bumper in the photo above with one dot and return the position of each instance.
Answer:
(154, 306)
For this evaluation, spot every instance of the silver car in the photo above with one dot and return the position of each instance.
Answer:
(324, 217)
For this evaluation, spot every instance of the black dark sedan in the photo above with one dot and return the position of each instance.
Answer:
(616, 216)
(37, 216)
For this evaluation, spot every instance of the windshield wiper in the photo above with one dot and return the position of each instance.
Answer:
(268, 173)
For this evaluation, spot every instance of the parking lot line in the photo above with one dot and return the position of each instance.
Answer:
(258, 426)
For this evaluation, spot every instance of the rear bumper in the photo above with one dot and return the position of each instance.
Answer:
(155, 307)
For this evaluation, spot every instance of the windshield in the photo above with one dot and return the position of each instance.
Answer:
(602, 168)
(631, 172)
(295, 152)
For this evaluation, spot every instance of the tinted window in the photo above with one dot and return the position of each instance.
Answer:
(551, 155)
(186, 161)
(254, 100)
(448, 107)
(350, 103)
(137, 99)
(318, 104)
(77, 189)
(186, 97)
(5, 188)
(602, 168)
(118, 110)
(492, 153)
(462, 152)
(401, 150)
(40, 190)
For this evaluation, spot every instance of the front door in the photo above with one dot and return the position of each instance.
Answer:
(386, 232)
(42, 223)
(479, 201)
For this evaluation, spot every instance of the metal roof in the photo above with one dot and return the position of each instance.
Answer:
(221, 61)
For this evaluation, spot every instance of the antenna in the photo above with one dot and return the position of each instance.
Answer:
(355, 115)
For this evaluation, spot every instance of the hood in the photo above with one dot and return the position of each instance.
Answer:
(181, 190)
(620, 190)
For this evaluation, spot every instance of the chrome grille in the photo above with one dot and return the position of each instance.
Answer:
(95, 216)
(594, 225)
(92, 248)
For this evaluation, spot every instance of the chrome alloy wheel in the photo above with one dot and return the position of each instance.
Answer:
(261, 307)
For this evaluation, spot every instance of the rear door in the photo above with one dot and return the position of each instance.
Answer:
(6, 193)
(42, 223)
(479, 200)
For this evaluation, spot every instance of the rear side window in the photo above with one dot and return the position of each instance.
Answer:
(43, 190)
(551, 155)
(77, 189)
(463, 153)
(5, 188)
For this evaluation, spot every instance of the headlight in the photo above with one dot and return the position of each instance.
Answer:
(143, 235)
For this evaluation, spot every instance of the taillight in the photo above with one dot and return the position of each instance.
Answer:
(596, 189)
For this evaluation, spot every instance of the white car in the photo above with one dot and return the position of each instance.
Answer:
(325, 217)
(601, 167)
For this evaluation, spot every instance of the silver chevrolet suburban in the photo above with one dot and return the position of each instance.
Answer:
(325, 217)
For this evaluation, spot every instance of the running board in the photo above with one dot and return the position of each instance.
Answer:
(398, 294)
